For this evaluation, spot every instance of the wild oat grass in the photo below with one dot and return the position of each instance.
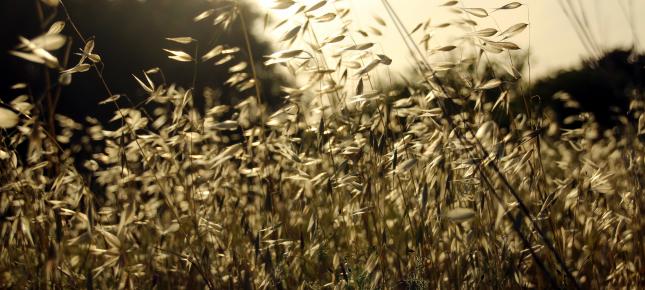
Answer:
(352, 184)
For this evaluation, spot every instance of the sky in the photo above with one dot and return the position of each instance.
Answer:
(553, 41)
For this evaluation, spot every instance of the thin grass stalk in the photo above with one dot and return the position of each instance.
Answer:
(511, 189)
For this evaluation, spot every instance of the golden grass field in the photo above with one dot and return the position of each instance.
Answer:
(449, 181)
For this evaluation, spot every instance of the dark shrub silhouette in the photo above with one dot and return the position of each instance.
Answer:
(604, 87)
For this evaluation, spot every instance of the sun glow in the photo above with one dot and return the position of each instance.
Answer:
(283, 13)
(266, 3)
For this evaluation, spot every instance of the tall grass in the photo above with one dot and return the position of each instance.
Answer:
(355, 183)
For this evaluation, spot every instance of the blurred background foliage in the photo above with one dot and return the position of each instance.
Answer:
(604, 87)
(129, 36)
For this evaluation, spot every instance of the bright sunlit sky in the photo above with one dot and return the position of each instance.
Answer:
(553, 40)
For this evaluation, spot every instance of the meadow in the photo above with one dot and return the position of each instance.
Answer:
(450, 179)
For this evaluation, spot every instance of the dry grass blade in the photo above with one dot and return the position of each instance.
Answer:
(291, 34)
(182, 40)
(460, 215)
(513, 30)
(479, 12)
(179, 55)
(8, 119)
